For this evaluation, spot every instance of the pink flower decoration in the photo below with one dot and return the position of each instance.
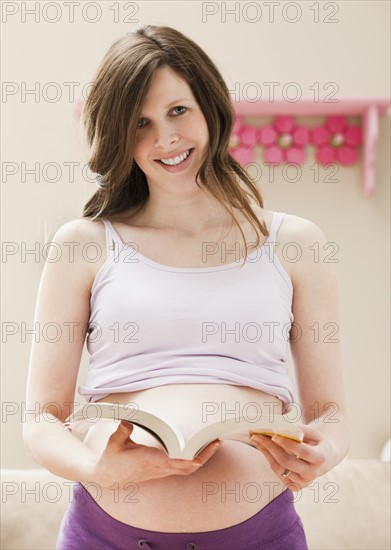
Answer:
(336, 141)
(243, 138)
(284, 141)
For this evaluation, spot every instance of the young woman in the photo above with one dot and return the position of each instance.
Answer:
(188, 309)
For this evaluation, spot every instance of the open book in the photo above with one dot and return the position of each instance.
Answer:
(238, 428)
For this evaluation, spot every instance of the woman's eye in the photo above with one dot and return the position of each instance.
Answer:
(179, 107)
(140, 120)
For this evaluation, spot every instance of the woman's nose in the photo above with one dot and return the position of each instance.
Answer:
(165, 134)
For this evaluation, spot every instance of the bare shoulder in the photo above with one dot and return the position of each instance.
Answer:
(309, 252)
(82, 234)
(300, 230)
(81, 245)
(80, 229)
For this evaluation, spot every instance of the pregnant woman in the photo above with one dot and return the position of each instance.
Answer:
(188, 309)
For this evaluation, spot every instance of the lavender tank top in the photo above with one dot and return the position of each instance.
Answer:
(151, 324)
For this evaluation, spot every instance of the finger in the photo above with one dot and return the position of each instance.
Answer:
(274, 463)
(277, 468)
(311, 434)
(285, 460)
(269, 457)
(299, 450)
(186, 467)
(307, 453)
(208, 452)
(121, 436)
(294, 481)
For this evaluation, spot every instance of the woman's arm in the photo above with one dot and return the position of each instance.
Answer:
(316, 350)
(63, 299)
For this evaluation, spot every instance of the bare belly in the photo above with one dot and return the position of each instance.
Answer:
(233, 485)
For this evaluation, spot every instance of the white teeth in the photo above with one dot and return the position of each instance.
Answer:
(176, 160)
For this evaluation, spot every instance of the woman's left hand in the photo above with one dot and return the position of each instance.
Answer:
(302, 462)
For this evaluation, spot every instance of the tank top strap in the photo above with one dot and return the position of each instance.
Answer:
(113, 241)
(275, 226)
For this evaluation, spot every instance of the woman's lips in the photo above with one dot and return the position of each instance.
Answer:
(177, 167)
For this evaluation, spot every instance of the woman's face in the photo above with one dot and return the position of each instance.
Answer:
(170, 125)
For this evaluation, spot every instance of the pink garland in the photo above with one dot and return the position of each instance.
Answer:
(284, 141)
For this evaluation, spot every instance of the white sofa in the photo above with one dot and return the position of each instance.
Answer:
(348, 508)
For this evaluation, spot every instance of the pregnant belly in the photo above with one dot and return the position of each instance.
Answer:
(229, 488)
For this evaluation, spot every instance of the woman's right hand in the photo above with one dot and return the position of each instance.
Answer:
(124, 460)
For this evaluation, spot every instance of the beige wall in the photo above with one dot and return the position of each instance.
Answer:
(353, 53)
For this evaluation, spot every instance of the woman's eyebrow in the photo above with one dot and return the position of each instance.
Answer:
(174, 102)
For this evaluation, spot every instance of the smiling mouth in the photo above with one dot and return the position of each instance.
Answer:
(176, 161)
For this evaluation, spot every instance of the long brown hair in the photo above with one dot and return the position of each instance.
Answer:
(111, 113)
